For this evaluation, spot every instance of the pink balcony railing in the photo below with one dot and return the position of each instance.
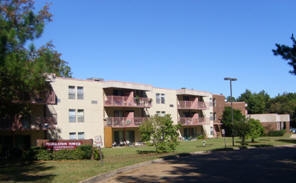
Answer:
(192, 121)
(124, 121)
(183, 104)
(125, 101)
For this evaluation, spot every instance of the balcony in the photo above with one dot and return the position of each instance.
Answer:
(46, 98)
(36, 123)
(125, 101)
(121, 122)
(184, 104)
(189, 121)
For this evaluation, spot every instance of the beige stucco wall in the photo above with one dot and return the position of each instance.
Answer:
(209, 127)
(272, 122)
(92, 105)
(170, 105)
(270, 117)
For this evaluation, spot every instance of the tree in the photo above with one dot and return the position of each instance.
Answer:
(160, 132)
(256, 129)
(23, 68)
(227, 119)
(284, 104)
(288, 53)
(257, 102)
(230, 99)
(242, 129)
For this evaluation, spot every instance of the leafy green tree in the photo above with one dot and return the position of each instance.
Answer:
(255, 129)
(284, 104)
(288, 53)
(160, 132)
(257, 102)
(23, 68)
(230, 99)
(242, 129)
(227, 119)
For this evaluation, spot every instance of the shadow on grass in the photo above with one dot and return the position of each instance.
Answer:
(222, 149)
(292, 141)
(276, 164)
(25, 172)
(145, 152)
(260, 145)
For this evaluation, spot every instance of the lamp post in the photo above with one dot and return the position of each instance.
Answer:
(230, 81)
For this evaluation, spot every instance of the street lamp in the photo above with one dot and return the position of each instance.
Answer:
(230, 81)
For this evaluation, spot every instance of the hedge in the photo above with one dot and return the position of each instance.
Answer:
(277, 133)
(81, 152)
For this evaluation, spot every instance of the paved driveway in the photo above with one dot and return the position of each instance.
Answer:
(239, 166)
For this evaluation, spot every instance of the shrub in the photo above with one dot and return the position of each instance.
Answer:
(97, 154)
(201, 137)
(65, 155)
(276, 133)
(30, 154)
(84, 151)
(37, 153)
(42, 154)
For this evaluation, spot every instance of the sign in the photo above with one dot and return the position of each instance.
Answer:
(61, 145)
(98, 141)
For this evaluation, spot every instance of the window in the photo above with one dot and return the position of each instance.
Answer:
(80, 92)
(72, 135)
(160, 113)
(72, 115)
(80, 115)
(80, 135)
(211, 116)
(214, 102)
(160, 98)
(71, 92)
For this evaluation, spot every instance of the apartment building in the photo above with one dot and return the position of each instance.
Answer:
(110, 112)
(20, 132)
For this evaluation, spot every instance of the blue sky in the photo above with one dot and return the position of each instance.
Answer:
(174, 44)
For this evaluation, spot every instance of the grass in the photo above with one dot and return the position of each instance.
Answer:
(114, 158)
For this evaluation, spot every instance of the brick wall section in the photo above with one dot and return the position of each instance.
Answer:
(221, 104)
(218, 107)
(238, 106)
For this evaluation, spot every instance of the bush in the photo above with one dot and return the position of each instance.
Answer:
(201, 137)
(276, 133)
(81, 152)
(84, 151)
(97, 155)
(30, 154)
(64, 155)
(42, 154)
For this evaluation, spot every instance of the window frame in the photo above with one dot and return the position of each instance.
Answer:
(80, 118)
(71, 92)
(80, 92)
(72, 136)
(72, 115)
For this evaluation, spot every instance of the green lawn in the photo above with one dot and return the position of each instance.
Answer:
(75, 171)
